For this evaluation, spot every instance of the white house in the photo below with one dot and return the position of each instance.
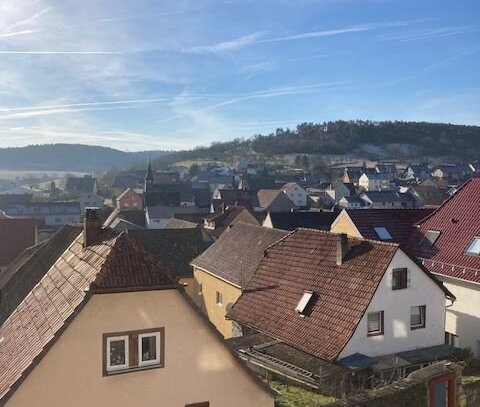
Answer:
(297, 194)
(375, 181)
(333, 297)
(448, 244)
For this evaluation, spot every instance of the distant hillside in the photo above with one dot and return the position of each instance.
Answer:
(70, 157)
(362, 139)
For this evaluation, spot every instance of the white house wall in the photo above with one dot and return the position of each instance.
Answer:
(398, 336)
(463, 317)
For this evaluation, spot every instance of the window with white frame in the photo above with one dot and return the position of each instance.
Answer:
(133, 350)
(148, 349)
(117, 353)
(417, 316)
(375, 323)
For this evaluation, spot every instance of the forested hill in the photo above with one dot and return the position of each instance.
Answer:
(70, 157)
(363, 139)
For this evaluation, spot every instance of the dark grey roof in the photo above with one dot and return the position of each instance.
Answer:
(169, 211)
(81, 184)
(387, 196)
(174, 249)
(18, 279)
(293, 220)
(237, 253)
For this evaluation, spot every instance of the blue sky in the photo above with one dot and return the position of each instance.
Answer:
(165, 74)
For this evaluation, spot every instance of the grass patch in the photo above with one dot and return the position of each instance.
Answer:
(292, 396)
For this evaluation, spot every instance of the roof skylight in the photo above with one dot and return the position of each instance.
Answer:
(474, 247)
(429, 239)
(382, 233)
(302, 304)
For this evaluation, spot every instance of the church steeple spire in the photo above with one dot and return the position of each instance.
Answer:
(149, 174)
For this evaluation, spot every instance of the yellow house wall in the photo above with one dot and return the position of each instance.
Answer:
(198, 366)
(206, 300)
(188, 285)
(343, 224)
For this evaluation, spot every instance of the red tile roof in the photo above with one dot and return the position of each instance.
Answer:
(113, 262)
(306, 260)
(399, 222)
(458, 221)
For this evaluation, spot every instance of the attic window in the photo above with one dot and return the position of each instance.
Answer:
(382, 233)
(302, 304)
(429, 239)
(474, 247)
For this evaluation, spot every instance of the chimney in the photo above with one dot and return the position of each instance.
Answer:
(92, 225)
(342, 248)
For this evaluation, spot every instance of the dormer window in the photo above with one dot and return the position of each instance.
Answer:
(382, 233)
(474, 247)
(429, 239)
(302, 304)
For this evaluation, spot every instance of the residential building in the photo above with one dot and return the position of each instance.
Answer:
(89, 200)
(225, 268)
(350, 302)
(129, 179)
(339, 190)
(216, 223)
(126, 219)
(351, 202)
(274, 200)
(222, 198)
(376, 181)
(392, 225)
(130, 199)
(387, 199)
(452, 173)
(448, 244)
(51, 214)
(321, 220)
(417, 172)
(105, 309)
(15, 236)
(157, 217)
(257, 183)
(297, 194)
(77, 185)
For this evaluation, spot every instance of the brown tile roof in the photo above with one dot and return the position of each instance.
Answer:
(398, 222)
(230, 216)
(112, 262)
(238, 252)
(18, 279)
(15, 236)
(267, 196)
(458, 222)
(306, 260)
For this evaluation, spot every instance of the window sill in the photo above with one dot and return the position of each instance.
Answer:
(132, 369)
(374, 334)
(413, 328)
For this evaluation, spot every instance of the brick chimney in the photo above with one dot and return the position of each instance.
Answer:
(342, 248)
(92, 225)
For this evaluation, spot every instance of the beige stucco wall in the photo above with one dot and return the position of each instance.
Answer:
(206, 300)
(343, 224)
(198, 367)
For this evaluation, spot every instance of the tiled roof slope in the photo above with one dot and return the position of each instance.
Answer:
(18, 279)
(236, 255)
(294, 220)
(458, 220)
(174, 249)
(306, 260)
(399, 222)
(116, 261)
(15, 236)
